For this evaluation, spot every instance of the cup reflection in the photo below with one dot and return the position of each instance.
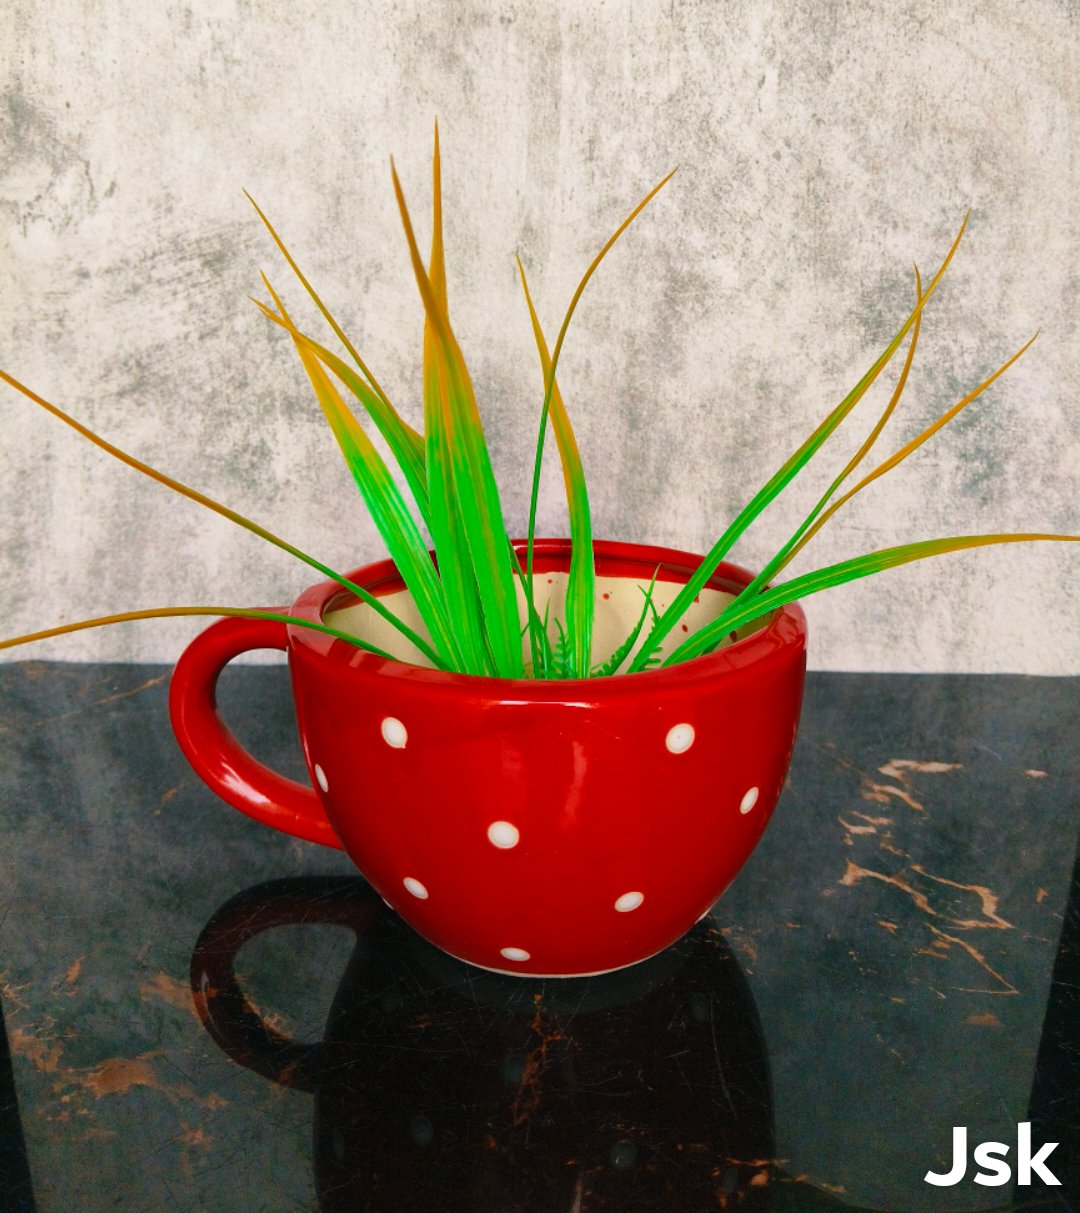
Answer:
(438, 1086)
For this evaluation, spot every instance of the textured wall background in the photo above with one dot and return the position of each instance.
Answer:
(822, 148)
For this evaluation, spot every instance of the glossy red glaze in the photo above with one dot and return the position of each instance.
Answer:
(602, 808)
(214, 752)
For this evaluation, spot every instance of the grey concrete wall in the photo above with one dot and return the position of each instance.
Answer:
(823, 147)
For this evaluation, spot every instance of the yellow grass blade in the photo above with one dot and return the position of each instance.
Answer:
(175, 612)
(916, 442)
(581, 583)
(225, 512)
(321, 306)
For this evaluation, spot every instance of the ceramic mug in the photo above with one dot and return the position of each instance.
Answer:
(548, 828)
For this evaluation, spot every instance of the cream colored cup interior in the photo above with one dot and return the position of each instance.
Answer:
(618, 605)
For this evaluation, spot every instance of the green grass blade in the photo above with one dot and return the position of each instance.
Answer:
(542, 654)
(581, 583)
(322, 306)
(837, 574)
(172, 612)
(807, 527)
(785, 474)
(445, 524)
(534, 496)
(907, 449)
(406, 445)
(386, 506)
(611, 666)
(474, 481)
(547, 653)
(562, 652)
(231, 515)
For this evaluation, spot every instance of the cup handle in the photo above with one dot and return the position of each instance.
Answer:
(218, 758)
(226, 1012)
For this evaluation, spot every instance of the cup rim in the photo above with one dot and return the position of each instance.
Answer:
(785, 629)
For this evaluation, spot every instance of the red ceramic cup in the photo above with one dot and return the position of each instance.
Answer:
(549, 828)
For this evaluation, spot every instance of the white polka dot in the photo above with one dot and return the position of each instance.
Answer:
(628, 902)
(415, 887)
(320, 778)
(680, 738)
(394, 733)
(748, 801)
(514, 954)
(503, 835)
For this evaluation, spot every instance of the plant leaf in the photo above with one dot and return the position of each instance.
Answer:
(611, 666)
(808, 527)
(232, 516)
(406, 445)
(474, 482)
(383, 500)
(170, 612)
(549, 386)
(900, 455)
(837, 574)
(323, 308)
(445, 524)
(581, 583)
(562, 652)
(542, 655)
(816, 520)
(784, 475)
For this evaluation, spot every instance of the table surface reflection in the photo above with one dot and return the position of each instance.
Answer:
(901, 955)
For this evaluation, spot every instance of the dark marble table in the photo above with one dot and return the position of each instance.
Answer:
(900, 956)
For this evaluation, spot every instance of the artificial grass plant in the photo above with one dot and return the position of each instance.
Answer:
(467, 597)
